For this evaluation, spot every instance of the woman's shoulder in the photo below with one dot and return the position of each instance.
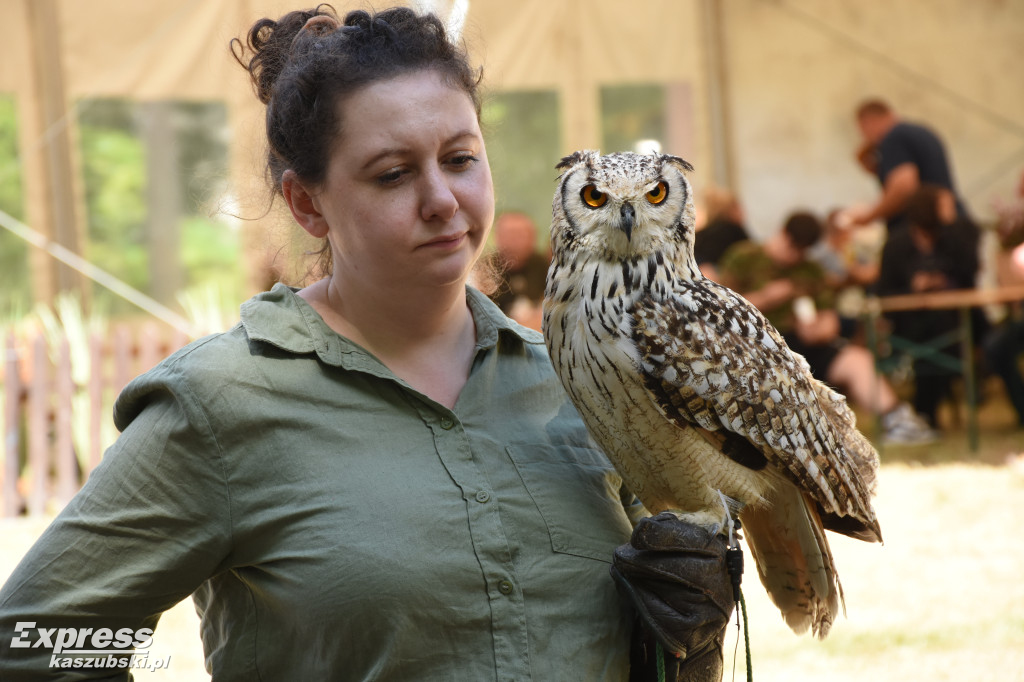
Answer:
(271, 323)
(205, 365)
(246, 357)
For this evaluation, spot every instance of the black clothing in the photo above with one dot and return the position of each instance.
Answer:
(916, 144)
(713, 241)
(955, 255)
(527, 282)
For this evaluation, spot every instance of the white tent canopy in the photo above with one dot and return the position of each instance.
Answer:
(760, 92)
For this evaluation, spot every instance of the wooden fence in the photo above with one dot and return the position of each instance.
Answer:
(48, 390)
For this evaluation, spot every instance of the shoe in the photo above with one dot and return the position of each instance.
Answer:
(903, 426)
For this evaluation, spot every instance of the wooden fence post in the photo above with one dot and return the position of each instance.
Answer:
(96, 375)
(12, 429)
(122, 358)
(39, 411)
(150, 347)
(65, 461)
(39, 427)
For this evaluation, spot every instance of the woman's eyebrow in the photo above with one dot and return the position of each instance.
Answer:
(399, 151)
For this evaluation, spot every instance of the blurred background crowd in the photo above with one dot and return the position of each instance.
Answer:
(843, 152)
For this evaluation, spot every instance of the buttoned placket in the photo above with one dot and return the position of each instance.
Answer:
(490, 543)
(487, 535)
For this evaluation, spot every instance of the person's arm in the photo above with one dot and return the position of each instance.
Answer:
(734, 272)
(150, 525)
(824, 328)
(772, 295)
(901, 182)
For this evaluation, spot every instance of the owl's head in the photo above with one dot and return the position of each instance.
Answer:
(622, 206)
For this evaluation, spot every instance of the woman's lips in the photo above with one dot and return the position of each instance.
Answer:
(446, 241)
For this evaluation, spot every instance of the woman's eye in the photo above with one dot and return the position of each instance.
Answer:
(390, 177)
(462, 160)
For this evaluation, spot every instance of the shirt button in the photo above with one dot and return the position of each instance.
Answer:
(482, 496)
(447, 423)
(505, 587)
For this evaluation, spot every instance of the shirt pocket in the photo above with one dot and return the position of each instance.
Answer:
(578, 494)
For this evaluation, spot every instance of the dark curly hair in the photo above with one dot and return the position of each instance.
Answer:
(301, 70)
(922, 208)
(803, 229)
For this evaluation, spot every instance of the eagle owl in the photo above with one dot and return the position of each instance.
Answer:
(691, 393)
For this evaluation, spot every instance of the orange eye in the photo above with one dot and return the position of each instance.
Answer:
(593, 198)
(658, 194)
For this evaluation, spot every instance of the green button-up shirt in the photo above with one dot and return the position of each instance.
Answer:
(335, 524)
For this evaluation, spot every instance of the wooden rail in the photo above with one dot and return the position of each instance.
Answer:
(953, 299)
(947, 300)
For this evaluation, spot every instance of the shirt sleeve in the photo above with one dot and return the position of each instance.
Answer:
(894, 150)
(149, 526)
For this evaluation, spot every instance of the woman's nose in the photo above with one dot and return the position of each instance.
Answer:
(437, 199)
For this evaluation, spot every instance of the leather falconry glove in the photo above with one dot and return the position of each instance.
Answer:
(674, 574)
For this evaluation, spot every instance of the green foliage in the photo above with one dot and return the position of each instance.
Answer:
(114, 170)
(15, 294)
(521, 131)
(201, 130)
(211, 255)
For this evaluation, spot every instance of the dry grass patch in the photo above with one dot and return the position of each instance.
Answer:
(942, 600)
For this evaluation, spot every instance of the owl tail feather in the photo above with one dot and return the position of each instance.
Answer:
(794, 562)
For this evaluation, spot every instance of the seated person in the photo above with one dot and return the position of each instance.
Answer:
(522, 269)
(790, 291)
(1004, 343)
(934, 251)
(722, 228)
(850, 257)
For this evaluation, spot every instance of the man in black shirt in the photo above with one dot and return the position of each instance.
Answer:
(904, 156)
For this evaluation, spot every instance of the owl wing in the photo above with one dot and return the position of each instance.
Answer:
(710, 360)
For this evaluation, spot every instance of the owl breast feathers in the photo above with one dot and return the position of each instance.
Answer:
(690, 391)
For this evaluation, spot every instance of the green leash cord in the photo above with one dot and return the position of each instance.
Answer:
(746, 641)
(660, 653)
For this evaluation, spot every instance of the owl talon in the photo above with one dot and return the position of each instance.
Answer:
(708, 520)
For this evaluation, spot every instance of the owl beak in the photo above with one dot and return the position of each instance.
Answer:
(628, 219)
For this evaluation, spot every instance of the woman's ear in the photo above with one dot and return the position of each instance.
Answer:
(303, 206)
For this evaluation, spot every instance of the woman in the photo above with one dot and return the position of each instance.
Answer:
(373, 477)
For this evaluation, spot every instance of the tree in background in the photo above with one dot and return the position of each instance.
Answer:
(15, 293)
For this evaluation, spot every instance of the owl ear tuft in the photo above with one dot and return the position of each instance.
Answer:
(587, 155)
(683, 164)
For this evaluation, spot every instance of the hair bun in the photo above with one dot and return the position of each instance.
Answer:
(320, 25)
(269, 44)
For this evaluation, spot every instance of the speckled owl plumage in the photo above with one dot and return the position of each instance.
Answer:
(690, 391)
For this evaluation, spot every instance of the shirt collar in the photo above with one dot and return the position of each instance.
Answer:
(491, 322)
(281, 318)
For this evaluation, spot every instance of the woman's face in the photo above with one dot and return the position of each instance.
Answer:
(408, 198)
